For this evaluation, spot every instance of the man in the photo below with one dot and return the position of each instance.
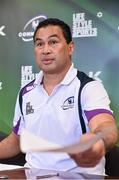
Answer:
(50, 107)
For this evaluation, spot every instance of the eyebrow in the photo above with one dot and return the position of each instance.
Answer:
(54, 35)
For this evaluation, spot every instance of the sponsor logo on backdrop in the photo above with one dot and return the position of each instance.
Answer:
(27, 75)
(2, 33)
(28, 30)
(95, 75)
(82, 27)
(99, 14)
(0, 85)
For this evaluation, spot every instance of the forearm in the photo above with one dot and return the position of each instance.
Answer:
(108, 135)
(107, 131)
(9, 147)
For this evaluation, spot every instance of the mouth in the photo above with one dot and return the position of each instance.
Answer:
(47, 61)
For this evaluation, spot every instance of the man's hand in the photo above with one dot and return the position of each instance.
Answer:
(92, 156)
(104, 126)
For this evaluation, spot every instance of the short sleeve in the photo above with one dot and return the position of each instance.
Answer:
(94, 99)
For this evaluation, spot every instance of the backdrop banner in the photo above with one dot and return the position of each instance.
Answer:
(95, 31)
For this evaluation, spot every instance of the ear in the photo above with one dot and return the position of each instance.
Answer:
(71, 47)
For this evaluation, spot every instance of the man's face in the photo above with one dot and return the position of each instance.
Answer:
(52, 52)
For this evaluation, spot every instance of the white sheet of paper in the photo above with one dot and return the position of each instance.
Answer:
(30, 142)
(9, 167)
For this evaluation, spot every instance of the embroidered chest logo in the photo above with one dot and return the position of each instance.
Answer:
(29, 109)
(68, 103)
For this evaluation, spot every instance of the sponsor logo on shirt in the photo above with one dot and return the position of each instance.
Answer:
(68, 103)
(29, 108)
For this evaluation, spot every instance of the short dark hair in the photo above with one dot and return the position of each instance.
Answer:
(56, 22)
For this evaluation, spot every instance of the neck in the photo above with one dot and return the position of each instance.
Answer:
(51, 80)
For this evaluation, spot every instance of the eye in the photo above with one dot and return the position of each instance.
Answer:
(39, 44)
(53, 42)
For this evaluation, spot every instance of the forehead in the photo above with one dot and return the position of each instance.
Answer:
(49, 31)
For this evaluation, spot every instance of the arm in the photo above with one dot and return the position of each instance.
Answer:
(9, 146)
(105, 124)
(101, 123)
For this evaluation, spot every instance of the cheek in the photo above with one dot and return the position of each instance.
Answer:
(63, 51)
(37, 54)
(37, 58)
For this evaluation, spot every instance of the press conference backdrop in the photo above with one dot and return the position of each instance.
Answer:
(95, 31)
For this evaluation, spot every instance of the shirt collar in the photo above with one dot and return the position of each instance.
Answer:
(39, 78)
(70, 75)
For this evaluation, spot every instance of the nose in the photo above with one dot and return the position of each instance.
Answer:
(46, 49)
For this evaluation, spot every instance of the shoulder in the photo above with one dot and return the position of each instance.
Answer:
(94, 95)
(28, 87)
(83, 75)
(84, 78)
(94, 87)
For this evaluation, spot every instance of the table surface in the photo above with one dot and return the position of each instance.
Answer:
(24, 173)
